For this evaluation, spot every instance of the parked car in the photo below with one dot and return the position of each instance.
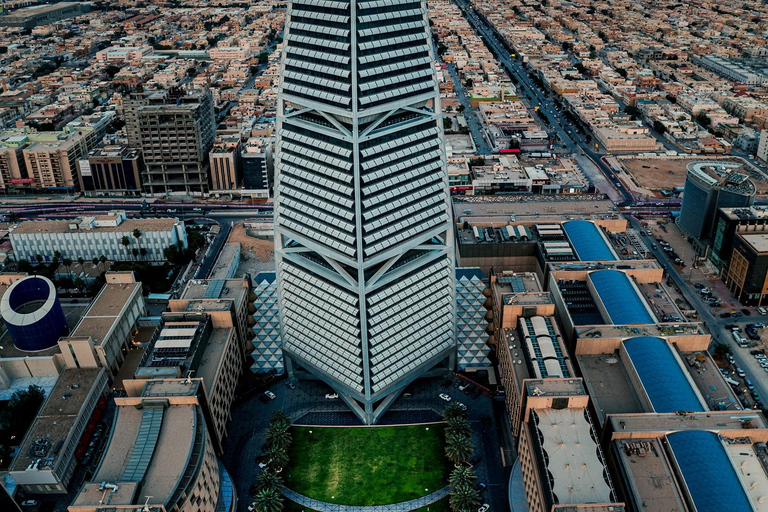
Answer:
(444, 396)
(749, 384)
(740, 372)
(30, 503)
(290, 385)
(270, 395)
(762, 311)
(746, 311)
(737, 314)
(484, 507)
(332, 396)
(698, 286)
(462, 406)
(464, 385)
(725, 315)
(263, 465)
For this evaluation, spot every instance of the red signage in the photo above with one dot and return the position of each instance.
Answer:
(460, 188)
(509, 151)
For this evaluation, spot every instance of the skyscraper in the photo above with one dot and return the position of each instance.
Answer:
(363, 238)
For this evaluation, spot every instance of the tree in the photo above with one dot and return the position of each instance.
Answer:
(447, 123)
(269, 480)
(67, 262)
(268, 500)
(280, 457)
(454, 410)
(135, 253)
(78, 283)
(80, 261)
(263, 58)
(463, 475)
(24, 266)
(21, 410)
(721, 350)
(280, 417)
(111, 70)
(38, 258)
(468, 83)
(459, 426)
(458, 449)
(464, 498)
(125, 241)
(56, 256)
(278, 437)
(137, 235)
(143, 252)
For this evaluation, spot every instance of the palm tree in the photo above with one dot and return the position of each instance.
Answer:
(280, 457)
(80, 262)
(268, 500)
(95, 262)
(67, 262)
(454, 410)
(143, 253)
(278, 437)
(280, 417)
(135, 253)
(464, 497)
(103, 259)
(269, 480)
(458, 449)
(462, 475)
(458, 425)
(38, 258)
(137, 236)
(125, 241)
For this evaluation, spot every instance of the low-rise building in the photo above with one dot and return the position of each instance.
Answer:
(93, 237)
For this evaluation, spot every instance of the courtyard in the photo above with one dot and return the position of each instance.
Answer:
(367, 465)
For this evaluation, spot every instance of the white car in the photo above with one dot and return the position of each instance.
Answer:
(332, 396)
(270, 395)
(445, 397)
(484, 507)
(462, 406)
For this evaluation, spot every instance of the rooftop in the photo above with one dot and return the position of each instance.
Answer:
(213, 289)
(751, 470)
(576, 468)
(758, 242)
(59, 412)
(530, 209)
(753, 212)
(620, 298)
(661, 375)
(709, 476)
(105, 310)
(63, 226)
(608, 385)
(661, 423)
(651, 480)
(588, 241)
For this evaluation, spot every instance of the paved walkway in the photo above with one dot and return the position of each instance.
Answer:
(405, 506)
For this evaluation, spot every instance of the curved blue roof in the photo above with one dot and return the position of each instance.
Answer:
(588, 241)
(620, 298)
(662, 377)
(708, 472)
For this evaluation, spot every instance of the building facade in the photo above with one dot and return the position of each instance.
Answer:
(363, 236)
(175, 131)
(112, 170)
(226, 169)
(93, 237)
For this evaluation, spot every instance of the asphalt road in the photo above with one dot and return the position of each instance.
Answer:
(470, 113)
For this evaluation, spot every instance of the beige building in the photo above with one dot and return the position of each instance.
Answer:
(200, 345)
(103, 336)
(49, 452)
(160, 454)
(226, 170)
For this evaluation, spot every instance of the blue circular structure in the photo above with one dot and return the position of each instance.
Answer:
(33, 314)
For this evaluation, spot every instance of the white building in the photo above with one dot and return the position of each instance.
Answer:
(762, 146)
(93, 237)
(363, 235)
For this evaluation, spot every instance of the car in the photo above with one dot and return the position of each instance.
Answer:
(250, 508)
(737, 314)
(735, 329)
(698, 286)
(753, 334)
(725, 315)
(737, 390)
(270, 395)
(744, 402)
(724, 371)
(755, 395)
(464, 386)
(746, 312)
(30, 503)
(331, 396)
(480, 486)
(462, 406)
(290, 385)
(484, 507)
(740, 372)
(263, 465)
(444, 396)
(197, 209)
(749, 384)
(754, 352)
(653, 246)
(762, 311)
(731, 326)
(759, 325)
(650, 233)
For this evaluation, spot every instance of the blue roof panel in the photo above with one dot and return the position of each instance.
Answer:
(661, 375)
(708, 472)
(620, 298)
(588, 242)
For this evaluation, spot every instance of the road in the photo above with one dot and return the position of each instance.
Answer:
(713, 323)
(470, 113)
(558, 123)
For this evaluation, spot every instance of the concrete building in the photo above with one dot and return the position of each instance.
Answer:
(762, 146)
(731, 70)
(175, 131)
(160, 454)
(50, 450)
(227, 263)
(255, 162)
(92, 237)
(195, 344)
(29, 17)
(728, 223)
(226, 166)
(104, 335)
(361, 196)
(112, 170)
(710, 186)
(747, 276)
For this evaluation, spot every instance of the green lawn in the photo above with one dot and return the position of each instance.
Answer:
(439, 506)
(367, 465)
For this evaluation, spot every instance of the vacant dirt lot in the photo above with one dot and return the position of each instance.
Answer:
(251, 248)
(656, 174)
